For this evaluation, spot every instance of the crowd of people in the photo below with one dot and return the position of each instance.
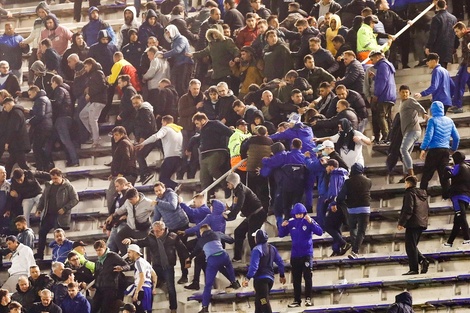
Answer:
(278, 91)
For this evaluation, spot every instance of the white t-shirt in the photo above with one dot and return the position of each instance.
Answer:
(143, 266)
(353, 156)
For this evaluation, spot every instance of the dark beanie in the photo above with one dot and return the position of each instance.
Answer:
(458, 157)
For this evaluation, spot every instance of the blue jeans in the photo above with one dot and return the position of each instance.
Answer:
(214, 265)
(168, 276)
(461, 79)
(63, 124)
(112, 245)
(406, 148)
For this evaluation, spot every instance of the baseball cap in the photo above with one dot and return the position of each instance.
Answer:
(78, 243)
(241, 122)
(135, 248)
(325, 144)
(375, 52)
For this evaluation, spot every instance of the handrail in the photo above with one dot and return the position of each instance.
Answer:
(401, 31)
(218, 180)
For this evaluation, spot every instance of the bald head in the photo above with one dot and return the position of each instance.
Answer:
(72, 60)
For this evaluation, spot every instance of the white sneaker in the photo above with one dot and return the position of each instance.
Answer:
(466, 242)
(447, 245)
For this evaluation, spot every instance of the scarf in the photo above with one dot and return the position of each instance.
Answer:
(165, 264)
(103, 257)
(345, 136)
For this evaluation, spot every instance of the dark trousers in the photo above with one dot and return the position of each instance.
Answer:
(199, 260)
(127, 232)
(262, 288)
(436, 159)
(333, 222)
(48, 222)
(169, 167)
(460, 222)
(461, 81)
(260, 186)
(357, 228)
(180, 77)
(302, 266)
(16, 157)
(42, 157)
(141, 156)
(381, 119)
(168, 276)
(415, 257)
(184, 240)
(105, 300)
(289, 198)
(249, 225)
(77, 8)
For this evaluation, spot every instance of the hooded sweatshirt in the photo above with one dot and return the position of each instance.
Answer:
(59, 35)
(179, 47)
(403, 303)
(103, 53)
(123, 35)
(35, 35)
(330, 34)
(439, 130)
(356, 191)
(146, 30)
(301, 232)
(215, 220)
(90, 31)
(172, 140)
(262, 258)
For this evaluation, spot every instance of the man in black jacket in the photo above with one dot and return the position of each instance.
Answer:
(322, 57)
(62, 110)
(356, 194)
(246, 202)
(356, 102)
(214, 160)
(127, 112)
(11, 83)
(107, 274)
(414, 217)
(144, 127)
(232, 16)
(46, 304)
(17, 138)
(305, 33)
(329, 127)
(164, 246)
(123, 163)
(41, 127)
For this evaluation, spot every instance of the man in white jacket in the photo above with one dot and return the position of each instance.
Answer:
(172, 140)
(22, 259)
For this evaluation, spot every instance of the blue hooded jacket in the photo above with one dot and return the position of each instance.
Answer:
(215, 220)
(90, 31)
(303, 132)
(439, 130)
(262, 258)
(337, 178)
(301, 232)
(384, 86)
(318, 171)
(441, 86)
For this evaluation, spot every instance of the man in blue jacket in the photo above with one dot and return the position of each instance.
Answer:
(76, 301)
(301, 227)
(441, 83)
(11, 50)
(217, 260)
(435, 147)
(91, 29)
(263, 257)
(385, 95)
